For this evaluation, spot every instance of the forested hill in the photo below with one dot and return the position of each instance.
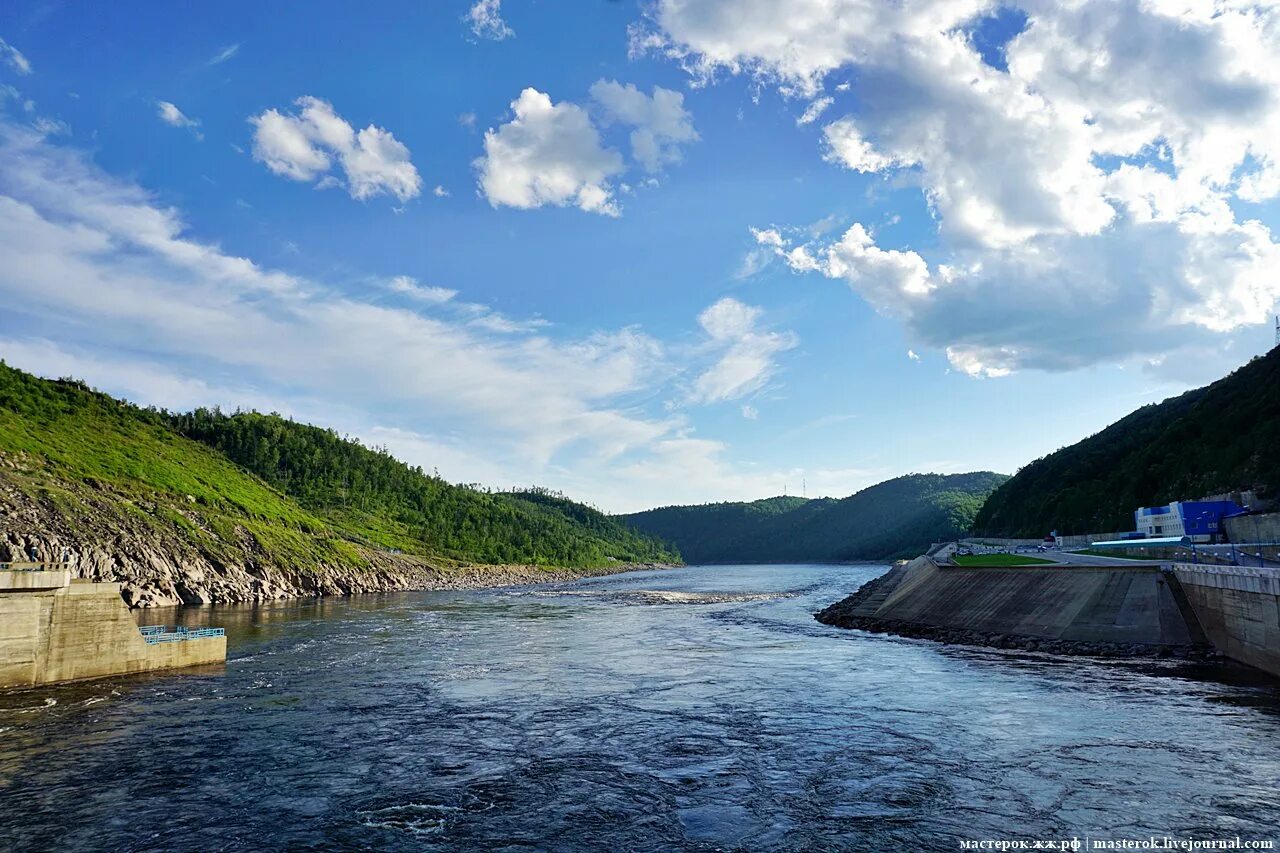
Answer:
(374, 496)
(896, 518)
(234, 486)
(1216, 439)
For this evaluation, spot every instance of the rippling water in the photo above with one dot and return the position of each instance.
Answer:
(699, 708)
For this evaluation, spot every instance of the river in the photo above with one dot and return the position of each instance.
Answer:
(601, 714)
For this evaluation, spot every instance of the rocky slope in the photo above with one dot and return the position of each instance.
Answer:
(158, 567)
(122, 495)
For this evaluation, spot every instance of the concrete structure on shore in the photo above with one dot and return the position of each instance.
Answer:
(1059, 608)
(1186, 610)
(55, 629)
(1238, 609)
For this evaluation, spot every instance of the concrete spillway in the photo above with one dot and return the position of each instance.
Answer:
(1059, 608)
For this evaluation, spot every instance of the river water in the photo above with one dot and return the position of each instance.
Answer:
(698, 708)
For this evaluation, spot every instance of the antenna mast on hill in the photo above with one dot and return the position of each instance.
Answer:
(1278, 330)
(804, 484)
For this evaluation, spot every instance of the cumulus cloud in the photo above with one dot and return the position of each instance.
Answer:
(548, 154)
(1064, 302)
(746, 353)
(554, 154)
(174, 117)
(1083, 195)
(14, 58)
(485, 20)
(660, 120)
(305, 147)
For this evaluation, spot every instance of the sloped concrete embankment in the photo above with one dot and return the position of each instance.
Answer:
(1089, 610)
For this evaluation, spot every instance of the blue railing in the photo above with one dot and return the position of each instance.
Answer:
(164, 634)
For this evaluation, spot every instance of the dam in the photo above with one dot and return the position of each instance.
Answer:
(1179, 610)
(54, 628)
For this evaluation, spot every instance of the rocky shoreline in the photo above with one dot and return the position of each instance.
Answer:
(155, 574)
(845, 614)
(107, 540)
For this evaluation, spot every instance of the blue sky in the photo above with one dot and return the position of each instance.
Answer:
(646, 253)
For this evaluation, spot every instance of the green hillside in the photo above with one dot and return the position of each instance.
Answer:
(899, 517)
(371, 495)
(1219, 438)
(300, 495)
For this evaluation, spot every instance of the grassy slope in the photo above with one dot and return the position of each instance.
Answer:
(85, 456)
(899, 517)
(1215, 439)
(69, 447)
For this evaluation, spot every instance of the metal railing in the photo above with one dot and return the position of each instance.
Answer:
(165, 634)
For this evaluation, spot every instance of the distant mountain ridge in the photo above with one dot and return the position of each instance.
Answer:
(1219, 438)
(896, 518)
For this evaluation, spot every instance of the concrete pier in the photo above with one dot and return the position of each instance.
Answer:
(1239, 610)
(54, 629)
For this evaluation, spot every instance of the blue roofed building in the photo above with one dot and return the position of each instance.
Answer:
(1200, 521)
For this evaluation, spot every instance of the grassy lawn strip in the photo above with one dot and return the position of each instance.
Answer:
(1000, 560)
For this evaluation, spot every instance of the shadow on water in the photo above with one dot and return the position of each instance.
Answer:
(700, 708)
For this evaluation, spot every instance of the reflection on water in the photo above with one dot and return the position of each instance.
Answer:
(698, 708)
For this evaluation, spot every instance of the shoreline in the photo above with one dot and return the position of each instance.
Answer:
(463, 577)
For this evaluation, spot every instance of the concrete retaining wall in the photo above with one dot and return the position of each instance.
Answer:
(1238, 609)
(81, 631)
(1264, 527)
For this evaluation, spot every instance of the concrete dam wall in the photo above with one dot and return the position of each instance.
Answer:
(1064, 609)
(53, 629)
(1239, 610)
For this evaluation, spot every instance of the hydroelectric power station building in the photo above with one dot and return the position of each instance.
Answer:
(1200, 521)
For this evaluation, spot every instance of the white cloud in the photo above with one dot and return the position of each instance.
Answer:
(14, 58)
(1064, 302)
(751, 413)
(430, 294)
(816, 108)
(188, 324)
(660, 120)
(746, 352)
(1083, 197)
(174, 117)
(913, 355)
(440, 192)
(224, 54)
(485, 19)
(548, 154)
(303, 147)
